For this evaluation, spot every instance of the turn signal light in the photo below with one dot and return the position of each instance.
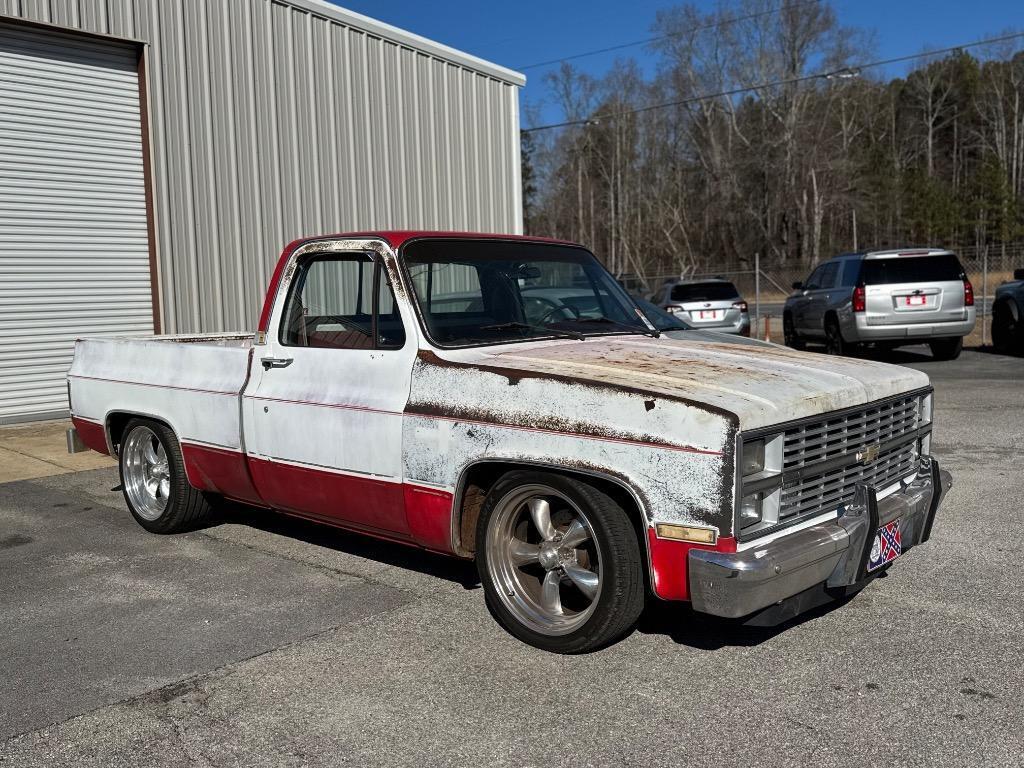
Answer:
(859, 299)
(687, 533)
(968, 293)
(740, 305)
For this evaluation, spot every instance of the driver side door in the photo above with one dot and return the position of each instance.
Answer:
(324, 407)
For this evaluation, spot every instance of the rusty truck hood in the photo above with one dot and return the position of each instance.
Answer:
(762, 384)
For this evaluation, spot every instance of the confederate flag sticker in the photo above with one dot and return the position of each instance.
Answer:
(886, 547)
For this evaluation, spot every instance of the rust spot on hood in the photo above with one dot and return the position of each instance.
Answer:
(516, 375)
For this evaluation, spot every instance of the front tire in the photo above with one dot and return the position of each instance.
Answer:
(154, 482)
(559, 561)
(947, 349)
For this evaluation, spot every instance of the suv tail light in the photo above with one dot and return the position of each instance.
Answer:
(740, 305)
(968, 293)
(859, 299)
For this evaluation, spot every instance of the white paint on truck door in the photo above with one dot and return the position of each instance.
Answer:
(328, 389)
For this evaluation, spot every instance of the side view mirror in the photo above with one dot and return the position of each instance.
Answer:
(1018, 274)
(798, 285)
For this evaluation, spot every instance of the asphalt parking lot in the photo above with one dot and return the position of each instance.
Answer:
(267, 641)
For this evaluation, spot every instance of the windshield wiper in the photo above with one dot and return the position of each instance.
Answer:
(539, 328)
(652, 332)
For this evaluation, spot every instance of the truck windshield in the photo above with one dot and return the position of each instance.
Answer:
(473, 292)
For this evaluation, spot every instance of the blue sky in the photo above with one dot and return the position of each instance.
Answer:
(523, 32)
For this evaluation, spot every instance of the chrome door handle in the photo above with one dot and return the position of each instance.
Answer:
(276, 362)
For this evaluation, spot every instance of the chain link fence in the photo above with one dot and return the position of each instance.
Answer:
(765, 288)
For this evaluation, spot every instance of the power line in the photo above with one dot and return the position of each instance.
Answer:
(843, 72)
(669, 36)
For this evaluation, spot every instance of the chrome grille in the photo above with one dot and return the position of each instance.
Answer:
(820, 441)
(827, 491)
(841, 435)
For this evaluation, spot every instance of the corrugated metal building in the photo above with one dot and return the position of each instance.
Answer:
(151, 169)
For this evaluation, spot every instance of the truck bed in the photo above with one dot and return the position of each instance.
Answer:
(191, 381)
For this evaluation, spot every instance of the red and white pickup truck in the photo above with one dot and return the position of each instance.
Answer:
(503, 398)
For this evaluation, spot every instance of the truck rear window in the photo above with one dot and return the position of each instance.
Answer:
(911, 269)
(704, 292)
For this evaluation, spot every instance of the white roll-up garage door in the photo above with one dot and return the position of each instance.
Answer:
(74, 256)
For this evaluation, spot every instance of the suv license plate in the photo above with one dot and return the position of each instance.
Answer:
(886, 547)
(708, 314)
(916, 301)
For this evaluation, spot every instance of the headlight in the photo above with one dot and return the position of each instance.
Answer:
(753, 457)
(760, 467)
(750, 509)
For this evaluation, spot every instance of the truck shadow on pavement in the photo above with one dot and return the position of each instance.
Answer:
(704, 632)
(410, 558)
(677, 621)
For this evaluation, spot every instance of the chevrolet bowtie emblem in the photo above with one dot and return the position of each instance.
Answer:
(868, 455)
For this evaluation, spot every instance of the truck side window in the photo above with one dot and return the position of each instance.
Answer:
(332, 305)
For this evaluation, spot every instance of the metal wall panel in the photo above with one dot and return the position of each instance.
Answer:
(74, 250)
(271, 120)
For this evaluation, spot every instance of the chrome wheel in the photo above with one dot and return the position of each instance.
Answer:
(147, 476)
(544, 559)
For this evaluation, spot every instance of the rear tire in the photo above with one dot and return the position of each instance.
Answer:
(789, 334)
(559, 561)
(154, 483)
(1007, 334)
(947, 349)
(835, 344)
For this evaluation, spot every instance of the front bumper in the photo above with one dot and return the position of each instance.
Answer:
(833, 554)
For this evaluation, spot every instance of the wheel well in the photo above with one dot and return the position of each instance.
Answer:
(478, 480)
(118, 421)
(1010, 304)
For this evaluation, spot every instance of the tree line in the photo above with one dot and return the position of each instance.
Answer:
(797, 171)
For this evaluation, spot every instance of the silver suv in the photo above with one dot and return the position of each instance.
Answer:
(713, 305)
(884, 298)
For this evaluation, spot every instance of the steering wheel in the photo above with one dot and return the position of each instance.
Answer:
(560, 308)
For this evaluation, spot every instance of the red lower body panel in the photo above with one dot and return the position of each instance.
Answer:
(220, 471)
(332, 496)
(397, 511)
(92, 433)
(429, 513)
(669, 564)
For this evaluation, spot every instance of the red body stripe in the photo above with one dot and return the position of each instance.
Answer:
(461, 420)
(669, 564)
(161, 386)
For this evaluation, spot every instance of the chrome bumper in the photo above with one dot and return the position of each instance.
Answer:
(832, 555)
